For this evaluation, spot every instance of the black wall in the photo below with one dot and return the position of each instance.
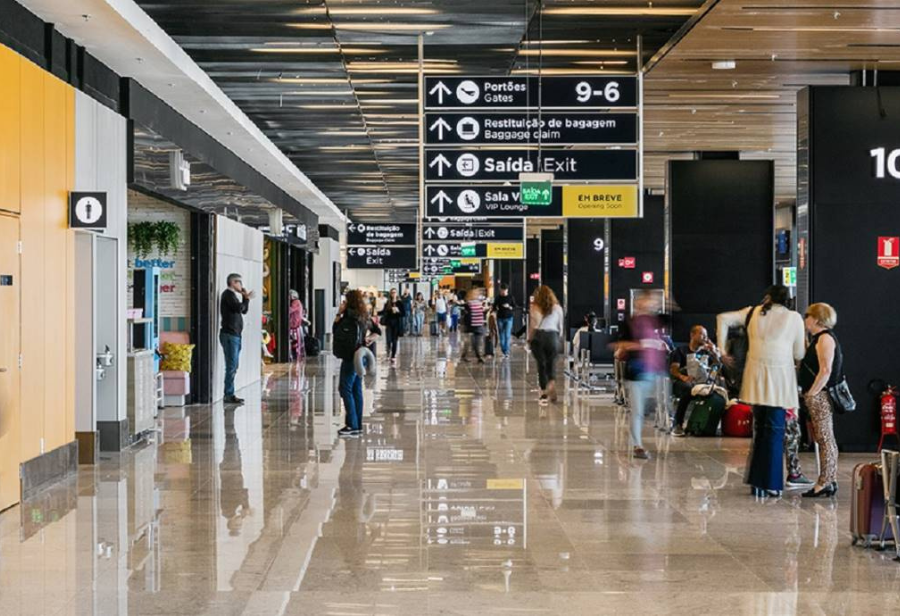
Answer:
(586, 269)
(722, 237)
(645, 240)
(532, 266)
(848, 210)
(552, 260)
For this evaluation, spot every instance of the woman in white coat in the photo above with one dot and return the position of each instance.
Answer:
(776, 342)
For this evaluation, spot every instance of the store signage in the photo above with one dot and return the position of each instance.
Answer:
(888, 252)
(789, 276)
(504, 165)
(489, 250)
(517, 128)
(573, 92)
(442, 232)
(87, 210)
(381, 257)
(487, 202)
(647, 277)
(628, 262)
(399, 234)
(620, 201)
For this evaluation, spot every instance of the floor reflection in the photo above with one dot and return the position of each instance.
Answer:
(463, 495)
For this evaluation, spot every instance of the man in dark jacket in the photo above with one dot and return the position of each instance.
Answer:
(233, 306)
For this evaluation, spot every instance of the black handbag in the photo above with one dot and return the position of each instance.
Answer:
(841, 397)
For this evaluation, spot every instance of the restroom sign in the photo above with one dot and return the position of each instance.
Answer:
(888, 252)
(87, 210)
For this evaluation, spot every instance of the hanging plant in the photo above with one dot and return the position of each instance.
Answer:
(140, 238)
(168, 236)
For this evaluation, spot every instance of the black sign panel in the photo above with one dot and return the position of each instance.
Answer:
(87, 210)
(520, 92)
(486, 201)
(503, 165)
(381, 234)
(381, 257)
(455, 250)
(444, 266)
(517, 128)
(437, 232)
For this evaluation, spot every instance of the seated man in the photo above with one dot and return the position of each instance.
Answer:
(588, 324)
(689, 365)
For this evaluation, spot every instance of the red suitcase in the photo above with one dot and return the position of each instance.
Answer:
(867, 504)
(738, 421)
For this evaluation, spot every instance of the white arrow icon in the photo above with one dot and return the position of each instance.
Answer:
(429, 232)
(352, 227)
(352, 252)
(440, 89)
(441, 198)
(429, 249)
(442, 163)
(441, 125)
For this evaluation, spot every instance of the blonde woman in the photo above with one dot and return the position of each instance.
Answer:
(821, 368)
(545, 330)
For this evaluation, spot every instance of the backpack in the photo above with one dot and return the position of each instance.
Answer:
(311, 346)
(347, 337)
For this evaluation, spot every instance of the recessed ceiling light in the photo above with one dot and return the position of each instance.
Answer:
(621, 11)
(578, 53)
(374, 10)
(724, 65)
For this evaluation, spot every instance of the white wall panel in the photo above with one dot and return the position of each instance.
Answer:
(101, 157)
(239, 249)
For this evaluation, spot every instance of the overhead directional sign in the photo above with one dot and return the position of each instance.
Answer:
(457, 250)
(381, 234)
(381, 257)
(447, 266)
(443, 232)
(587, 92)
(518, 128)
(486, 201)
(503, 165)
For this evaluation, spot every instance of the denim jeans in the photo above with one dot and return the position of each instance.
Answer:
(418, 323)
(231, 347)
(639, 393)
(505, 326)
(766, 467)
(350, 387)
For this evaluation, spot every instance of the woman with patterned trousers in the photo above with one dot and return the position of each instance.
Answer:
(822, 368)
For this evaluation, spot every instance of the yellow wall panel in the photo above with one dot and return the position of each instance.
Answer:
(56, 234)
(70, 271)
(33, 230)
(10, 129)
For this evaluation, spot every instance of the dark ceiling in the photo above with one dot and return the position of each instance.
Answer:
(333, 83)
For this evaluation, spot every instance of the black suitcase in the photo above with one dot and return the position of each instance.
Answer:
(488, 347)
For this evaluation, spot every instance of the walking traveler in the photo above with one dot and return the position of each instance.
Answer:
(233, 306)
(474, 325)
(440, 312)
(821, 369)
(505, 307)
(492, 333)
(456, 303)
(295, 326)
(775, 337)
(643, 354)
(352, 330)
(392, 321)
(407, 302)
(419, 307)
(545, 331)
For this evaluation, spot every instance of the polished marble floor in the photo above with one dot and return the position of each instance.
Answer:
(463, 496)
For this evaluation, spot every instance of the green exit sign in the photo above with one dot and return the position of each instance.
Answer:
(468, 250)
(536, 193)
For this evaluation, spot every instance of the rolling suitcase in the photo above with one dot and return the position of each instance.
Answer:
(488, 347)
(434, 328)
(867, 504)
(704, 415)
(738, 421)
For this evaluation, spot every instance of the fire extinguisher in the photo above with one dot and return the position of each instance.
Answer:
(888, 414)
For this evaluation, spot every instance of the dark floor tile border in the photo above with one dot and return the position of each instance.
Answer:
(88, 447)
